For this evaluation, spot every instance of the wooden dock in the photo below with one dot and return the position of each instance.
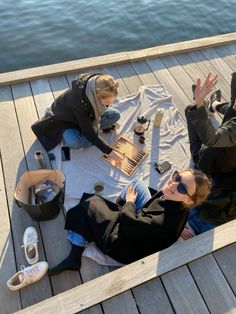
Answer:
(195, 276)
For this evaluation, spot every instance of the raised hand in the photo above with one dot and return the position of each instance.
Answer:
(131, 195)
(202, 90)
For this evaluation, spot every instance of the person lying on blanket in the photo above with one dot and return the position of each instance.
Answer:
(138, 224)
(77, 114)
(213, 150)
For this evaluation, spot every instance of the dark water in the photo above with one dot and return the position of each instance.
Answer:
(34, 33)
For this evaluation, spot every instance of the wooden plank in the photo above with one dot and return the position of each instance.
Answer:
(123, 303)
(113, 59)
(182, 47)
(61, 68)
(227, 55)
(195, 72)
(89, 269)
(213, 286)
(151, 298)
(218, 63)
(183, 79)
(129, 77)
(10, 302)
(183, 292)
(205, 66)
(132, 275)
(144, 73)
(226, 260)
(165, 77)
(14, 166)
(53, 231)
(232, 48)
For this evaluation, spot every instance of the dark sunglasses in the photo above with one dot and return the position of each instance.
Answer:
(181, 187)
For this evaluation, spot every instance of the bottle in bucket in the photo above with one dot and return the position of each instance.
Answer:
(158, 117)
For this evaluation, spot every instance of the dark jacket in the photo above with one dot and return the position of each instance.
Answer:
(72, 109)
(121, 233)
(220, 205)
(218, 154)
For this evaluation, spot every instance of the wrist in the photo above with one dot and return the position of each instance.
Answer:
(199, 103)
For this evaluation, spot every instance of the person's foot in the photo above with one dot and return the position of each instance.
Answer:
(215, 99)
(108, 130)
(72, 262)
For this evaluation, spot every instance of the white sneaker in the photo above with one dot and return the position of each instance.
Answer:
(27, 276)
(30, 244)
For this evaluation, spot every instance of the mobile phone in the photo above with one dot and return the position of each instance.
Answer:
(162, 167)
(65, 153)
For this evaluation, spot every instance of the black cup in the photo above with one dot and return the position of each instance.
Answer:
(141, 139)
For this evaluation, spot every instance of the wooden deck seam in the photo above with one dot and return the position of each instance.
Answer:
(198, 287)
(220, 267)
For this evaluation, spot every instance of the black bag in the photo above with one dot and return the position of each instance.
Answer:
(47, 210)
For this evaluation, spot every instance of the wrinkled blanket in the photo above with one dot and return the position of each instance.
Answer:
(169, 142)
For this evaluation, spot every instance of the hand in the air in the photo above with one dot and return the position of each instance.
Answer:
(202, 91)
(131, 195)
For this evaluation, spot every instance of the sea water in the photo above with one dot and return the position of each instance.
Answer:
(34, 33)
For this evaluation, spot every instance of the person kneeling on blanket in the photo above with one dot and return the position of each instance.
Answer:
(77, 115)
(139, 224)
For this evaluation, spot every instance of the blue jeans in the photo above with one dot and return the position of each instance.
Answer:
(73, 138)
(198, 225)
(143, 195)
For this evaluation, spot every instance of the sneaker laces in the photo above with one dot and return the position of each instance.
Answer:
(29, 272)
(31, 242)
(30, 246)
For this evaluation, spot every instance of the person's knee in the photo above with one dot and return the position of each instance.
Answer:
(114, 114)
(70, 138)
(73, 144)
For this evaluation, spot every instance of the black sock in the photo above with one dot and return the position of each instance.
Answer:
(72, 262)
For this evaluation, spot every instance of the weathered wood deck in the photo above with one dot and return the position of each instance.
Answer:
(197, 276)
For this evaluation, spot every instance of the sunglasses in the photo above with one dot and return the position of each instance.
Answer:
(181, 187)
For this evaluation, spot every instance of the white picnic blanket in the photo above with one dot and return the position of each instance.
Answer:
(169, 142)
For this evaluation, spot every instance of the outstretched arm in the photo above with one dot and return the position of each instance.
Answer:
(202, 90)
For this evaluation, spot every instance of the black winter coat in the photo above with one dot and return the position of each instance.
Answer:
(121, 233)
(72, 109)
(218, 154)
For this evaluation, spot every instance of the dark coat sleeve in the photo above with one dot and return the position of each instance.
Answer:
(84, 121)
(141, 225)
(223, 136)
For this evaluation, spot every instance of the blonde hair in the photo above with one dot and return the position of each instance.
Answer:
(203, 186)
(106, 86)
